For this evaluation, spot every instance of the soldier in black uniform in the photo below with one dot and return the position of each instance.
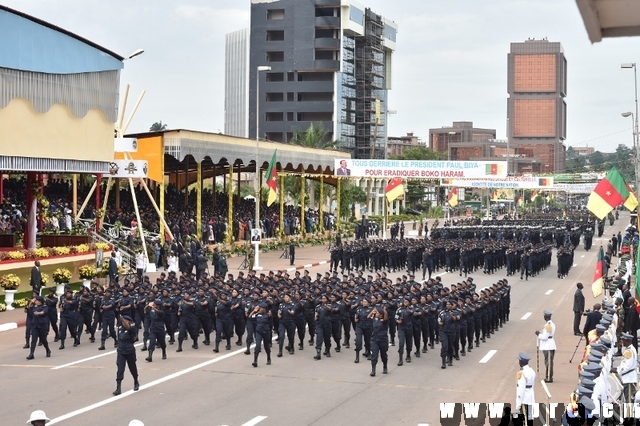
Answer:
(127, 333)
(156, 328)
(379, 338)
(286, 312)
(86, 314)
(364, 328)
(404, 317)
(323, 327)
(39, 325)
(447, 334)
(68, 311)
(223, 321)
(187, 321)
(260, 315)
(51, 302)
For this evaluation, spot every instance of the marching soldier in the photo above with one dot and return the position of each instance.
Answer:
(379, 338)
(127, 333)
(547, 345)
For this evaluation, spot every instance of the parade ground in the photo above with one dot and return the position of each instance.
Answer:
(199, 387)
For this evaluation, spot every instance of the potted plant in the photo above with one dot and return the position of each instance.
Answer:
(44, 279)
(61, 276)
(10, 283)
(86, 274)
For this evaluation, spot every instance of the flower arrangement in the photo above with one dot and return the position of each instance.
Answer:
(10, 282)
(60, 251)
(44, 279)
(17, 254)
(3, 307)
(82, 248)
(62, 276)
(87, 272)
(21, 303)
(40, 253)
(102, 246)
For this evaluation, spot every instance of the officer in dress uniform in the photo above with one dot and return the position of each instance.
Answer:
(627, 370)
(547, 344)
(525, 396)
(127, 333)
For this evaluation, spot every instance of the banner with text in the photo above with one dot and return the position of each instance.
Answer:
(511, 182)
(412, 169)
(574, 188)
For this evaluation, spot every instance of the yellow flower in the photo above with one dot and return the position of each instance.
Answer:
(16, 254)
(62, 275)
(59, 251)
(82, 248)
(10, 281)
(103, 246)
(44, 279)
(87, 272)
(41, 252)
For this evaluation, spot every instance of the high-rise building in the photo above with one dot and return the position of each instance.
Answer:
(536, 108)
(397, 145)
(236, 83)
(330, 63)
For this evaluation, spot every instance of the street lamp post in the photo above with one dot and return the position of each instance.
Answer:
(635, 120)
(256, 222)
(635, 147)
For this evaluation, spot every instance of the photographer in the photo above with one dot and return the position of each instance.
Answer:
(593, 319)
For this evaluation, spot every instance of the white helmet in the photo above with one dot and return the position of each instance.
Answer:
(38, 415)
(136, 423)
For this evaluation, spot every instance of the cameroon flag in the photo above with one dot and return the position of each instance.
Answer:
(394, 189)
(493, 169)
(609, 193)
(598, 275)
(534, 195)
(494, 195)
(272, 180)
(453, 197)
(632, 202)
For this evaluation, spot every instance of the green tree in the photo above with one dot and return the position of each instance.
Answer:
(158, 126)
(350, 194)
(596, 160)
(417, 188)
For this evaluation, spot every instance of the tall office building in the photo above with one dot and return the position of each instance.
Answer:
(236, 83)
(330, 63)
(536, 108)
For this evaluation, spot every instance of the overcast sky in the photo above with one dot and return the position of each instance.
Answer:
(450, 63)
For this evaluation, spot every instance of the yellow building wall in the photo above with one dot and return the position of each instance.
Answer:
(24, 132)
(151, 150)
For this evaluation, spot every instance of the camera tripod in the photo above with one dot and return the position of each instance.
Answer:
(285, 253)
(245, 263)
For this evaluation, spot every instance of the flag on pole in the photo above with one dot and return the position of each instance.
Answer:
(608, 194)
(598, 276)
(534, 195)
(494, 195)
(394, 189)
(632, 202)
(519, 200)
(453, 197)
(272, 180)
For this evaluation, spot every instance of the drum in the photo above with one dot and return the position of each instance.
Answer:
(614, 386)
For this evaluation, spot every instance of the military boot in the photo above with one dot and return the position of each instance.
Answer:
(318, 356)
(150, 357)
(101, 348)
(255, 359)
(373, 370)
(136, 384)
(357, 360)
(444, 362)
(400, 361)
(118, 390)
(179, 346)
(61, 344)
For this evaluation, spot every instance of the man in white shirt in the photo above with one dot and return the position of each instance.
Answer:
(547, 345)
(628, 368)
(525, 396)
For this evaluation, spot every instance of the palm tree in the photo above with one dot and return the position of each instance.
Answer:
(314, 137)
(158, 126)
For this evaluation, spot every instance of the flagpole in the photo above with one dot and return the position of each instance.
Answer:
(385, 218)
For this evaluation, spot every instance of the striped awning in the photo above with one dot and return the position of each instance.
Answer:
(52, 165)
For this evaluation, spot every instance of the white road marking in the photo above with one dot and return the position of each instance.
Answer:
(88, 359)
(255, 421)
(488, 356)
(582, 256)
(574, 265)
(8, 326)
(526, 316)
(143, 387)
(291, 269)
(423, 424)
(322, 262)
(308, 265)
(548, 292)
(439, 275)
